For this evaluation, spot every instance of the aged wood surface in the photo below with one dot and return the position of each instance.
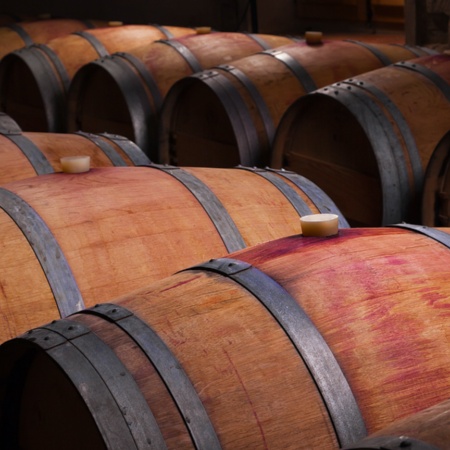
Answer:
(120, 228)
(389, 108)
(279, 79)
(384, 318)
(40, 32)
(377, 296)
(48, 70)
(53, 146)
(436, 187)
(100, 94)
(429, 426)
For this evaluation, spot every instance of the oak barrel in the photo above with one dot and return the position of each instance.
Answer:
(21, 34)
(436, 186)
(425, 430)
(34, 80)
(298, 343)
(27, 154)
(369, 138)
(123, 94)
(245, 99)
(70, 238)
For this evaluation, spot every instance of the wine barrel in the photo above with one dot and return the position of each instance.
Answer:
(68, 237)
(123, 93)
(27, 154)
(246, 99)
(425, 430)
(21, 34)
(34, 80)
(301, 342)
(369, 139)
(436, 186)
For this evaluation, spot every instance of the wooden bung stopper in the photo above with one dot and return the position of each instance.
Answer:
(203, 30)
(319, 225)
(75, 164)
(313, 37)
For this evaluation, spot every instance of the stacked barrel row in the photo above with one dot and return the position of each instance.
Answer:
(264, 338)
(109, 80)
(368, 139)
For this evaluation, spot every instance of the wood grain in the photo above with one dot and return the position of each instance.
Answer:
(429, 426)
(120, 228)
(92, 107)
(40, 32)
(48, 70)
(185, 127)
(387, 114)
(53, 146)
(379, 298)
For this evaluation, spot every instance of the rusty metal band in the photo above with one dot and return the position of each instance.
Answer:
(48, 252)
(107, 149)
(259, 40)
(184, 52)
(439, 82)
(26, 38)
(429, 51)
(239, 115)
(95, 43)
(170, 370)
(416, 51)
(145, 74)
(88, 23)
(403, 127)
(296, 39)
(391, 443)
(309, 343)
(143, 119)
(433, 233)
(34, 155)
(59, 66)
(320, 199)
(218, 214)
(105, 384)
(136, 155)
(385, 144)
(163, 30)
(261, 106)
(385, 60)
(294, 199)
(48, 84)
(8, 125)
(295, 67)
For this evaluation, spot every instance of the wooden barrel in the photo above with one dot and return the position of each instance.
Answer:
(246, 99)
(123, 94)
(425, 430)
(302, 343)
(27, 154)
(21, 34)
(70, 238)
(34, 80)
(436, 186)
(369, 139)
